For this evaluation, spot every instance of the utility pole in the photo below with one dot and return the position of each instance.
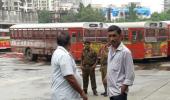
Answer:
(58, 11)
(109, 13)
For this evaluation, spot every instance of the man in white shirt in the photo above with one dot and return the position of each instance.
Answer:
(120, 69)
(66, 81)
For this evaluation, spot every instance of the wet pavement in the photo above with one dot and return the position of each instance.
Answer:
(23, 80)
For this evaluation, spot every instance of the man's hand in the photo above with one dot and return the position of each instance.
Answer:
(84, 96)
(94, 66)
(81, 67)
(105, 81)
(124, 88)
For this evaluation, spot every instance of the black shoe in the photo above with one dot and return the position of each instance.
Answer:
(95, 93)
(104, 94)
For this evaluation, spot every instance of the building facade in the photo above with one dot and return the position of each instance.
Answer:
(17, 11)
(166, 5)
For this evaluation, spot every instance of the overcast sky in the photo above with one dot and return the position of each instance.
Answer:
(154, 5)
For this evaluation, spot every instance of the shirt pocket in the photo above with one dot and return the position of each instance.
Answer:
(115, 66)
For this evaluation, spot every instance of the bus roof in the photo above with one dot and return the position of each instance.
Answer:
(60, 25)
(168, 21)
(128, 24)
(148, 24)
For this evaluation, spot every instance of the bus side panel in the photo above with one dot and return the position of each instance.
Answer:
(137, 42)
(168, 48)
(168, 52)
(138, 50)
(76, 42)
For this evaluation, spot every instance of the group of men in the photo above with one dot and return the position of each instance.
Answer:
(89, 60)
(116, 67)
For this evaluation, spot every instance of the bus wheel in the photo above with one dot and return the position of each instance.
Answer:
(30, 56)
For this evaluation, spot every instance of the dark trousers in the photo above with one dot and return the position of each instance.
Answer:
(119, 97)
(86, 74)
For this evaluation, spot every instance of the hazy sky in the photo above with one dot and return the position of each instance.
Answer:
(154, 5)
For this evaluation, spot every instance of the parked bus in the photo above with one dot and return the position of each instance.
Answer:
(145, 39)
(4, 39)
(40, 39)
(168, 22)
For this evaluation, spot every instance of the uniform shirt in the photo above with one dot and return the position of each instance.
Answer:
(103, 55)
(120, 69)
(89, 57)
(63, 64)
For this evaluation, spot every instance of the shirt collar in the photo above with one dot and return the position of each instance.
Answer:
(119, 48)
(63, 49)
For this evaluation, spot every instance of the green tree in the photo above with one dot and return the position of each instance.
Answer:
(160, 16)
(69, 17)
(44, 16)
(155, 16)
(132, 13)
(85, 14)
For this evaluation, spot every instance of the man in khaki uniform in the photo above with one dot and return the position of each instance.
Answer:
(88, 65)
(103, 53)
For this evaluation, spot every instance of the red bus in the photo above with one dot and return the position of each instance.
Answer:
(145, 39)
(40, 39)
(168, 22)
(4, 39)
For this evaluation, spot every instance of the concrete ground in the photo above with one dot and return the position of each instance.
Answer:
(20, 80)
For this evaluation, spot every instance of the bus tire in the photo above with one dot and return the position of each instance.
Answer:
(30, 56)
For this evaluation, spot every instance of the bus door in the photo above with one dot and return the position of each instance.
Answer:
(137, 42)
(156, 43)
(76, 42)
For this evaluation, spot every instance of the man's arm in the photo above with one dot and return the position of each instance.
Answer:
(129, 71)
(82, 59)
(96, 60)
(74, 84)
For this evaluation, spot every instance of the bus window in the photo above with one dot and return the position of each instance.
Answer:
(150, 33)
(12, 33)
(140, 35)
(8, 34)
(19, 33)
(25, 34)
(89, 35)
(53, 34)
(3, 34)
(162, 32)
(125, 35)
(29, 33)
(48, 34)
(162, 36)
(73, 38)
(134, 36)
(79, 39)
(101, 36)
(41, 34)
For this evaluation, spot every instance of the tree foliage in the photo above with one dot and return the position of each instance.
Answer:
(160, 16)
(85, 14)
(44, 16)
